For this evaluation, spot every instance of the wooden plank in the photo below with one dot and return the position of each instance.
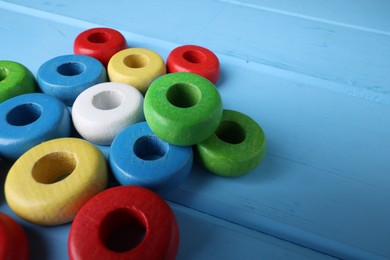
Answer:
(369, 16)
(364, 15)
(324, 182)
(206, 237)
(346, 59)
(325, 172)
(201, 237)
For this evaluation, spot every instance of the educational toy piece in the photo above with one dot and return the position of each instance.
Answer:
(104, 110)
(15, 79)
(236, 148)
(50, 183)
(125, 222)
(195, 59)
(100, 43)
(30, 119)
(139, 157)
(183, 108)
(137, 67)
(65, 77)
(13, 240)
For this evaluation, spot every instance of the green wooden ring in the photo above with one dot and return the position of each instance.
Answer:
(15, 79)
(235, 149)
(183, 108)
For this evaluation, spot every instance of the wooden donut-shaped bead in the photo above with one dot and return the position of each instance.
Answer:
(14, 244)
(104, 110)
(100, 43)
(137, 67)
(65, 77)
(154, 164)
(30, 119)
(15, 79)
(236, 148)
(195, 59)
(124, 222)
(183, 108)
(50, 182)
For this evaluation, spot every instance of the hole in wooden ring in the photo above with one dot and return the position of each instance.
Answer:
(150, 147)
(122, 230)
(71, 69)
(230, 132)
(3, 74)
(54, 167)
(99, 37)
(24, 114)
(136, 60)
(108, 99)
(194, 56)
(183, 95)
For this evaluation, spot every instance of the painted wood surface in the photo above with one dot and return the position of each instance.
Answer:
(314, 75)
(201, 237)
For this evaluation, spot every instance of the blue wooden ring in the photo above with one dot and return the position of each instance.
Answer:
(65, 77)
(138, 157)
(30, 119)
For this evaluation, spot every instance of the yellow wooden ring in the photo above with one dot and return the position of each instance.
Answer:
(49, 183)
(137, 67)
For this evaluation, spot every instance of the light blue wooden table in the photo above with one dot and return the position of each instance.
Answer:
(314, 74)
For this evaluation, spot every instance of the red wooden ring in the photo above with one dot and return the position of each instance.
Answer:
(13, 241)
(195, 59)
(100, 43)
(124, 222)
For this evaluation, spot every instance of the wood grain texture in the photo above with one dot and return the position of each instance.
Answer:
(335, 56)
(194, 226)
(236, 148)
(38, 115)
(67, 76)
(363, 15)
(138, 157)
(316, 81)
(137, 67)
(194, 59)
(131, 213)
(49, 183)
(102, 111)
(15, 79)
(100, 43)
(183, 108)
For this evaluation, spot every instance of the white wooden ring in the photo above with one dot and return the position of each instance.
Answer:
(102, 111)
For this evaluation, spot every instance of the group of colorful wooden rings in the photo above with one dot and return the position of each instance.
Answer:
(104, 93)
